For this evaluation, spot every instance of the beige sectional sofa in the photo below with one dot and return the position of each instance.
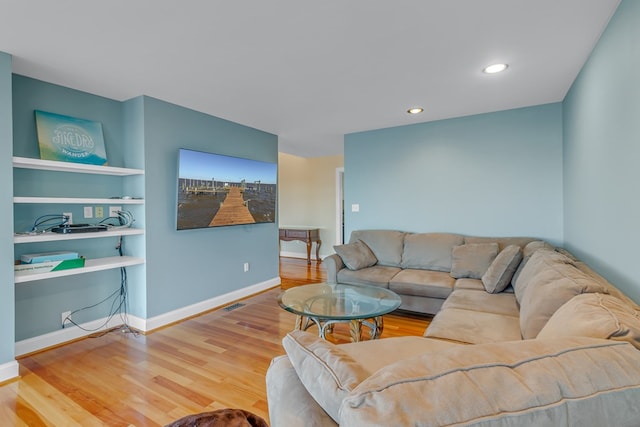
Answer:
(558, 346)
(416, 266)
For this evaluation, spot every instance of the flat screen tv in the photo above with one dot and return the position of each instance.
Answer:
(216, 190)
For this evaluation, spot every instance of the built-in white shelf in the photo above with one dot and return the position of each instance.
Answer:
(90, 265)
(78, 200)
(52, 165)
(50, 236)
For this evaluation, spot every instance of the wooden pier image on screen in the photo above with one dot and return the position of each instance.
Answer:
(233, 210)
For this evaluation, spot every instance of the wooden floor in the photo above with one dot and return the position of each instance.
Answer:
(216, 360)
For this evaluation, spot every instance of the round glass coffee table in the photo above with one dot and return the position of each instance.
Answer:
(327, 304)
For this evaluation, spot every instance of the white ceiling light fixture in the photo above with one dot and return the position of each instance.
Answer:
(415, 110)
(495, 68)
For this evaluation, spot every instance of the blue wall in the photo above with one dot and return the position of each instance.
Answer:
(182, 268)
(497, 174)
(185, 267)
(602, 154)
(7, 315)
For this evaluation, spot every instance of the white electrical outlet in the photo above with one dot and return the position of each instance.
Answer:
(113, 211)
(65, 318)
(246, 267)
(69, 215)
(88, 212)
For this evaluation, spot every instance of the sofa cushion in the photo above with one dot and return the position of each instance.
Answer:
(429, 251)
(539, 261)
(474, 300)
(611, 290)
(375, 276)
(498, 275)
(568, 381)
(466, 283)
(527, 251)
(472, 260)
(548, 290)
(289, 401)
(376, 354)
(426, 283)
(386, 245)
(473, 327)
(356, 255)
(327, 372)
(502, 242)
(597, 316)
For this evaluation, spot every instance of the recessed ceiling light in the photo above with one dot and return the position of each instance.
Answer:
(415, 110)
(495, 68)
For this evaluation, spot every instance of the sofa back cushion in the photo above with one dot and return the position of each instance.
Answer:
(527, 251)
(502, 242)
(549, 290)
(386, 245)
(567, 381)
(429, 251)
(472, 260)
(597, 316)
(612, 290)
(536, 262)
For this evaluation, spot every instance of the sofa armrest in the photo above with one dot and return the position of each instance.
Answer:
(289, 402)
(333, 264)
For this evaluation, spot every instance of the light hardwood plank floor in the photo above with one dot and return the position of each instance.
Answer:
(213, 361)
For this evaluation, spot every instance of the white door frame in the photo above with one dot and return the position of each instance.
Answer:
(339, 203)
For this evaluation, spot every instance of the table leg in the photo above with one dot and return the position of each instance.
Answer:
(318, 244)
(378, 326)
(355, 327)
(309, 251)
(298, 326)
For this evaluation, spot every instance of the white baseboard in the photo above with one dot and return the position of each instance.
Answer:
(194, 309)
(67, 334)
(71, 333)
(9, 371)
(301, 255)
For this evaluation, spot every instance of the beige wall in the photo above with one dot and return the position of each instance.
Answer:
(307, 197)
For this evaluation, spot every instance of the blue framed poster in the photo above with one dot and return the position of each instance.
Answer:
(68, 139)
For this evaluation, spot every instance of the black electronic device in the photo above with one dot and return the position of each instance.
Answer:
(79, 228)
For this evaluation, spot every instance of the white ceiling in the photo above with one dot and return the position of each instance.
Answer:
(309, 71)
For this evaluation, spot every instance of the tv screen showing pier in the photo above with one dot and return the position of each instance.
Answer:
(216, 190)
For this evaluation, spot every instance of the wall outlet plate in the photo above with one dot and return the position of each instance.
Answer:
(65, 317)
(113, 211)
(70, 215)
(88, 212)
(99, 212)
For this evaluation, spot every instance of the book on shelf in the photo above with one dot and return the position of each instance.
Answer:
(46, 267)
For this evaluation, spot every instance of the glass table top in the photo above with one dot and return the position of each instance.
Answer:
(339, 301)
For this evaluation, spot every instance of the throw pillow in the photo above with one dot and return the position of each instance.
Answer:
(328, 373)
(356, 255)
(472, 260)
(595, 315)
(500, 272)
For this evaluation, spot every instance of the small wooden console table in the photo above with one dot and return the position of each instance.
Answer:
(303, 234)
